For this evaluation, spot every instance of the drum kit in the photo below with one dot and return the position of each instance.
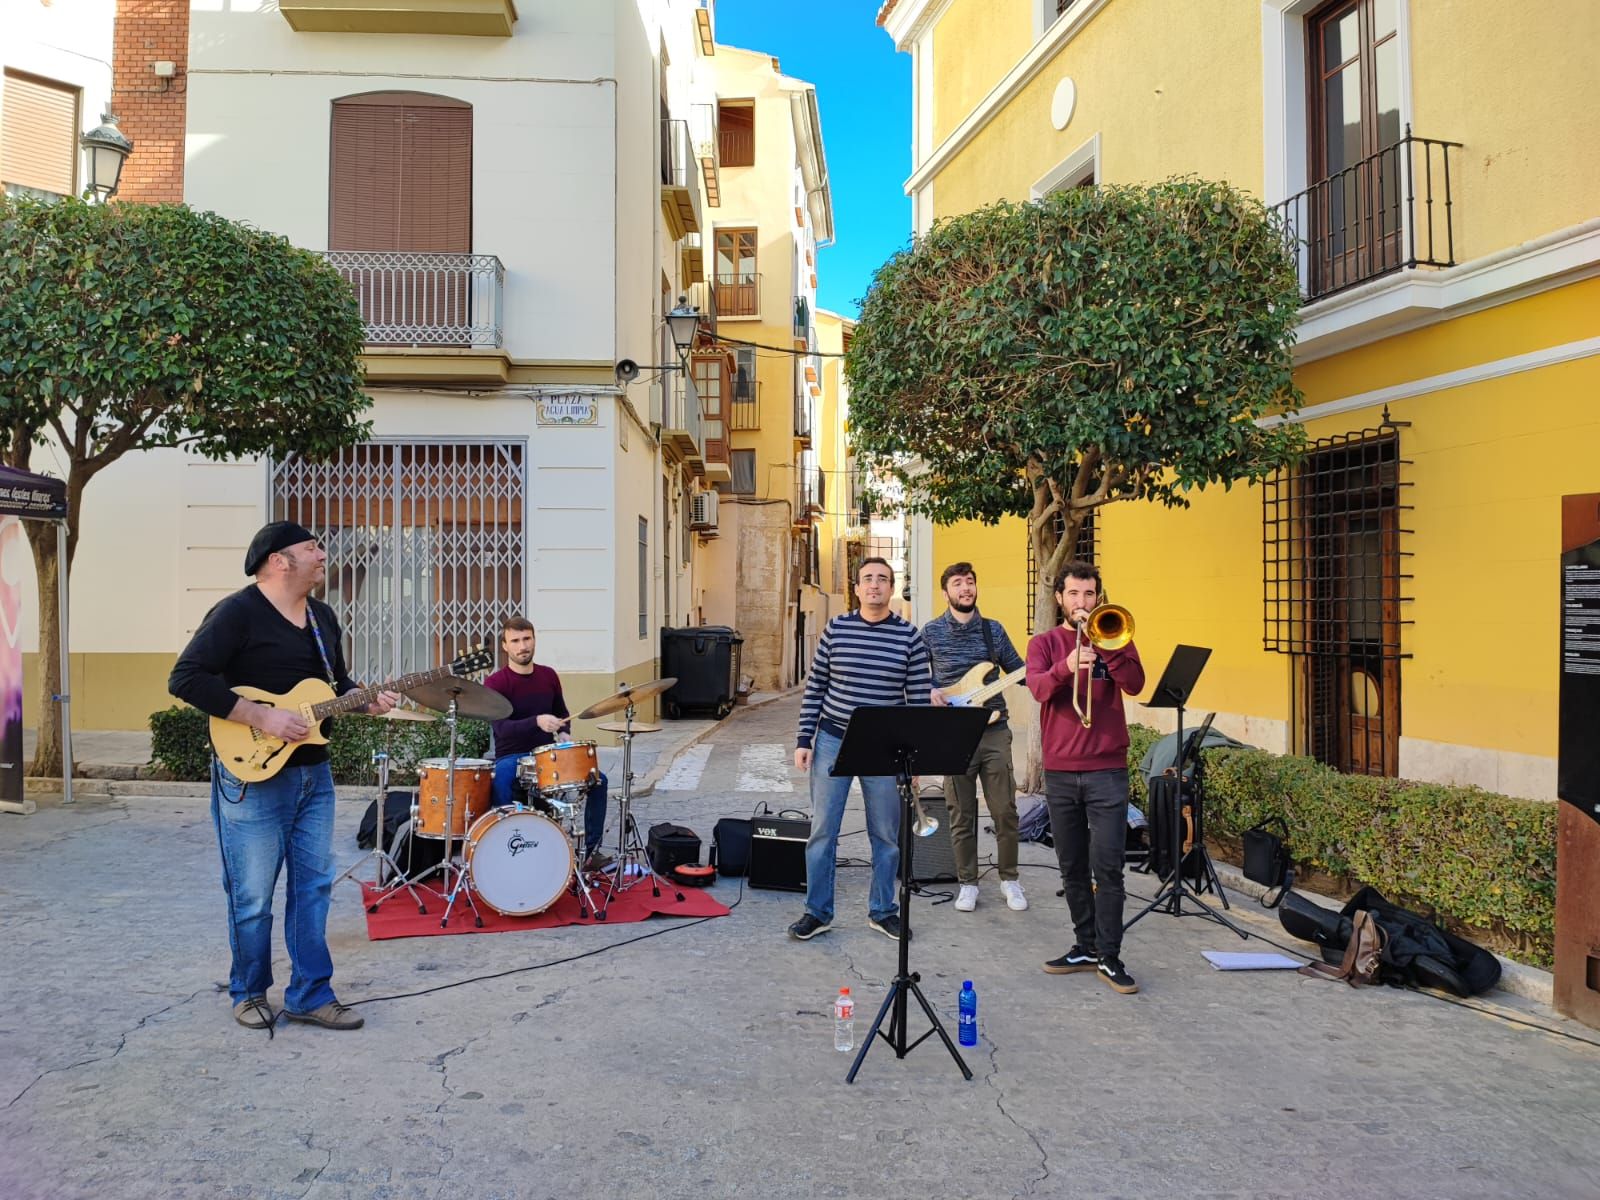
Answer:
(517, 860)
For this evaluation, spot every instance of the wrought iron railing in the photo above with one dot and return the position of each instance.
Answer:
(412, 298)
(1386, 213)
(744, 410)
(802, 413)
(739, 294)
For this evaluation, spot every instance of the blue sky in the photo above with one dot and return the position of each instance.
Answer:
(864, 92)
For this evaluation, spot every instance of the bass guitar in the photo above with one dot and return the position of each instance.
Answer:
(970, 689)
(254, 756)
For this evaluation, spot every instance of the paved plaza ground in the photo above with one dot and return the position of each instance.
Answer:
(671, 1059)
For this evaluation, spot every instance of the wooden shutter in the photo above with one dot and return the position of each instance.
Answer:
(401, 174)
(39, 142)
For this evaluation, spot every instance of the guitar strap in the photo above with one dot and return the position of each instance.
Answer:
(322, 649)
(988, 644)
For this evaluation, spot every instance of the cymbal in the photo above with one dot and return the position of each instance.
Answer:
(624, 727)
(625, 696)
(472, 699)
(407, 714)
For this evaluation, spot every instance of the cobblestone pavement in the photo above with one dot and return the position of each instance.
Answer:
(696, 1058)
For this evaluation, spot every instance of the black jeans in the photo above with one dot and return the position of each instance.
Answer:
(1089, 822)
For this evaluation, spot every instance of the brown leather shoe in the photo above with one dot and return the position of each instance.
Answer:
(331, 1015)
(254, 1013)
(598, 861)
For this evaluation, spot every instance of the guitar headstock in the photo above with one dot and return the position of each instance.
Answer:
(479, 658)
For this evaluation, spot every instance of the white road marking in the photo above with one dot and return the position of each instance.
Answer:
(684, 774)
(765, 767)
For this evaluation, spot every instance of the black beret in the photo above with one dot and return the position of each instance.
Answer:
(271, 539)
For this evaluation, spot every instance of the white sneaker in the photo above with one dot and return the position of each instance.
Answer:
(1012, 890)
(967, 897)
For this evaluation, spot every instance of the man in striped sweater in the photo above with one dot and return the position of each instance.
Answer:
(867, 657)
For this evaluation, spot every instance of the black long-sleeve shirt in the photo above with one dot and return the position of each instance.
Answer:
(245, 641)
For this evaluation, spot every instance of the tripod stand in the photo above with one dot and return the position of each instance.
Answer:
(379, 852)
(902, 741)
(1177, 683)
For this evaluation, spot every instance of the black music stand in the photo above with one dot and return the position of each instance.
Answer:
(1173, 691)
(904, 740)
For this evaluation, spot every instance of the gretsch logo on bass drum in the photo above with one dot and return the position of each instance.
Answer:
(516, 843)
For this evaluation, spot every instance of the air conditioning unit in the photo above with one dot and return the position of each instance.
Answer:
(703, 511)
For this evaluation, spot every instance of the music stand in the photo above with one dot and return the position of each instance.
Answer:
(903, 741)
(1173, 691)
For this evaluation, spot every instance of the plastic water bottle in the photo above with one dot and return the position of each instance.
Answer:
(967, 1023)
(844, 1021)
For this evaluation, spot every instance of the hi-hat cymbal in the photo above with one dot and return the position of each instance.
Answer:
(625, 696)
(624, 727)
(472, 699)
(406, 714)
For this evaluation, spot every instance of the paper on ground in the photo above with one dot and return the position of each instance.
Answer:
(1229, 960)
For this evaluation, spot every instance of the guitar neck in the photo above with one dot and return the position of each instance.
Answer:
(362, 697)
(979, 695)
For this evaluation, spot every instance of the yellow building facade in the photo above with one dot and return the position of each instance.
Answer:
(1391, 606)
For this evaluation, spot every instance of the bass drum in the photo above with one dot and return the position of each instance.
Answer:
(518, 861)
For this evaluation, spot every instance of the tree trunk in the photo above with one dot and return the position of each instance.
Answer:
(47, 713)
(1050, 554)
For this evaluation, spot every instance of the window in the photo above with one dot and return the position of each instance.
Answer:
(401, 173)
(1332, 595)
(1085, 551)
(39, 137)
(1353, 50)
(1081, 168)
(736, 278)
(426, 548)
(742, 466)
(736, 133)
(644, 578)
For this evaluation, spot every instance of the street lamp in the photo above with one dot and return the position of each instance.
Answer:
(107, 148)
(683, 322)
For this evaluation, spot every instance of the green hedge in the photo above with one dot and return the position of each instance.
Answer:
(181, 745)
(1485, 860)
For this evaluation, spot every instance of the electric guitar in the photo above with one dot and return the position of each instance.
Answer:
(971, 690)
(254, 756)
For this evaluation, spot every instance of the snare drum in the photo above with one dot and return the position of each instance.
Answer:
(564, 766)
(518, 861)
(474, 785)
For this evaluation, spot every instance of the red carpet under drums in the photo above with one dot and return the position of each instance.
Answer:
(399, 918)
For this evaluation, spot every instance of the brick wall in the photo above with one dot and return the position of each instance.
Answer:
(151, 110)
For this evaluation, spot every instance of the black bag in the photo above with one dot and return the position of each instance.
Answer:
(1418, 952)
(730, 846)
(670, 845)
(1266, 860)
(396, 812)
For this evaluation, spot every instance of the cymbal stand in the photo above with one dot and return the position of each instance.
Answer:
(397, 877)
(633, 859)
(463, 886)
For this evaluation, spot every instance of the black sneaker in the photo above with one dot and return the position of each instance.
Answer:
(1116, 975)
(1074, 960)
(888, 926)
(807, 927)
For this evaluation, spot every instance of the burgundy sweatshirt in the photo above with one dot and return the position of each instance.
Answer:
(1068, 746)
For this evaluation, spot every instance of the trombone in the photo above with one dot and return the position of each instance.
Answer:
(924, 825)
(1107, 627)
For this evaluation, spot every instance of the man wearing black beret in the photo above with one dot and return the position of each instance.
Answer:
(271, 635)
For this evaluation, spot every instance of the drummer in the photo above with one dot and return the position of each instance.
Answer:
(538, 715)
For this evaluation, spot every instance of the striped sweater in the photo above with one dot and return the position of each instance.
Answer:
(860, 662)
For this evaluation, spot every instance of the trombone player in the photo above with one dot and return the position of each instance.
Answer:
(1079, 672)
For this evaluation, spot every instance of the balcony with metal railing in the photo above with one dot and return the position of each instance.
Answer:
(802, 417)
(744, 410)
(1389, 212)
(412, 298)
(739, 294)
(680, 189)
(683, 436)
(704, 130)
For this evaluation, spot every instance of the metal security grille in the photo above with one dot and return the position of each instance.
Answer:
(1333, 547)
(425, 544)
(1086, 550)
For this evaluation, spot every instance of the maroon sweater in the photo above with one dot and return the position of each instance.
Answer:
(532, 696)
(1068, 746)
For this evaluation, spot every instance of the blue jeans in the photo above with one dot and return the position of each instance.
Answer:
(260, 827)
(505, 791)
(882, 800)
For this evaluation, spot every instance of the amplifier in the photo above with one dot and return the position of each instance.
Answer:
(933, 858)
(778, 853)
